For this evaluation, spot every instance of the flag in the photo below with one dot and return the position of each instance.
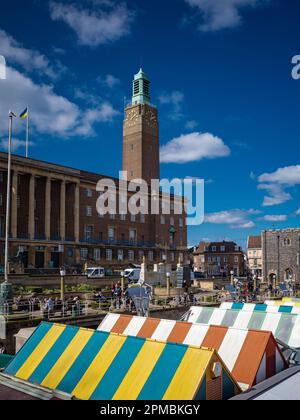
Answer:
(24, 114)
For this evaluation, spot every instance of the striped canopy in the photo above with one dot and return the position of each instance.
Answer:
(251, 356)
(96, 365)
(284, 326)
(282, 303)
(286, 309)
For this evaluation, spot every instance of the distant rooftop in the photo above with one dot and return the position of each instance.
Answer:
(254, 242)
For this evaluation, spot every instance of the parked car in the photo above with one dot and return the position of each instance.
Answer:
(95, 273)
(132, 274)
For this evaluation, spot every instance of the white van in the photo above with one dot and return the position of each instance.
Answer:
(132, 274)
(95, 273)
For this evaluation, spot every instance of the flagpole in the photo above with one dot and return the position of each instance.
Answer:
(27, 132)
(8, 194)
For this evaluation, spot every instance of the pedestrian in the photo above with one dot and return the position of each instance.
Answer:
(2, 349)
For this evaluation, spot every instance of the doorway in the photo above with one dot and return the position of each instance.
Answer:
(39, 259)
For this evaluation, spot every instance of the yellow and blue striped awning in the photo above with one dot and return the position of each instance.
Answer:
(95, 365)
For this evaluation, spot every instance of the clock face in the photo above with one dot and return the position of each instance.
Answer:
(132, 117)
(151, 118)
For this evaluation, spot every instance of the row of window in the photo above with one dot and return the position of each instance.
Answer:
(220, 249)
(133, 218)
(89, 234)
(108, 255)
(112, 197)
(220, 260)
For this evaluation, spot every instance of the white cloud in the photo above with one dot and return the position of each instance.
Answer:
(298, 212)
(221, 14)
(193, 147)
(175, 99)
(276, 218)
(277, 182)
(16, 144)
(106, 23)
(109, 81)
(50, 113)
(30, 60)
(191, 125)
(289, 176)
(236, 219)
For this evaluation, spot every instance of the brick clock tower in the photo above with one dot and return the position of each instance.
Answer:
(141, 133)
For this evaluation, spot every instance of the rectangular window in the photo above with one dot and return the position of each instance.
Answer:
(109, 255)
(89, 192)
(132, 235)
(84, 254)
(143, 218)
(111, 233)
(88, 233)
(150, 256)
(97, 254)
(132, 218)
(223, 249)
(130, 255)
(120, 255)
(89, 211)
(180, 222)
(172, 221)
(123, 217)
(141, 255)
(214, 248)
(162, 220)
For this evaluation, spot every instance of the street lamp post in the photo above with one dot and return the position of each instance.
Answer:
(8, 194)
(62, 284)
(168, 284)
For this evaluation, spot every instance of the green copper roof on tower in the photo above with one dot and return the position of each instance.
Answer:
(141, 89)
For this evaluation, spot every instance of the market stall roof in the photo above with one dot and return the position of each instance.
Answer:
(283, 387)
(251, 356)
(284, 326)
(96, 365)
(252, 307)
(282, 303)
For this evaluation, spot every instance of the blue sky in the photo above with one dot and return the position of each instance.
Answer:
(221, 78)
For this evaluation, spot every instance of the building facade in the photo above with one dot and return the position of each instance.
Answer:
(254, 256)
(281, 255)
(218, 259)
(54, 220)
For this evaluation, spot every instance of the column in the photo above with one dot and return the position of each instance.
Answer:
(76, 214)
(31, 218)
(48, 209)
(62, 223)
(14, 206)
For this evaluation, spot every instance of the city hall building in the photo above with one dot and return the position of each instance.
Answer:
(54, 220)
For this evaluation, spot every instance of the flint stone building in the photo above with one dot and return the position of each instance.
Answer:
(281, 255)
(54, 220)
